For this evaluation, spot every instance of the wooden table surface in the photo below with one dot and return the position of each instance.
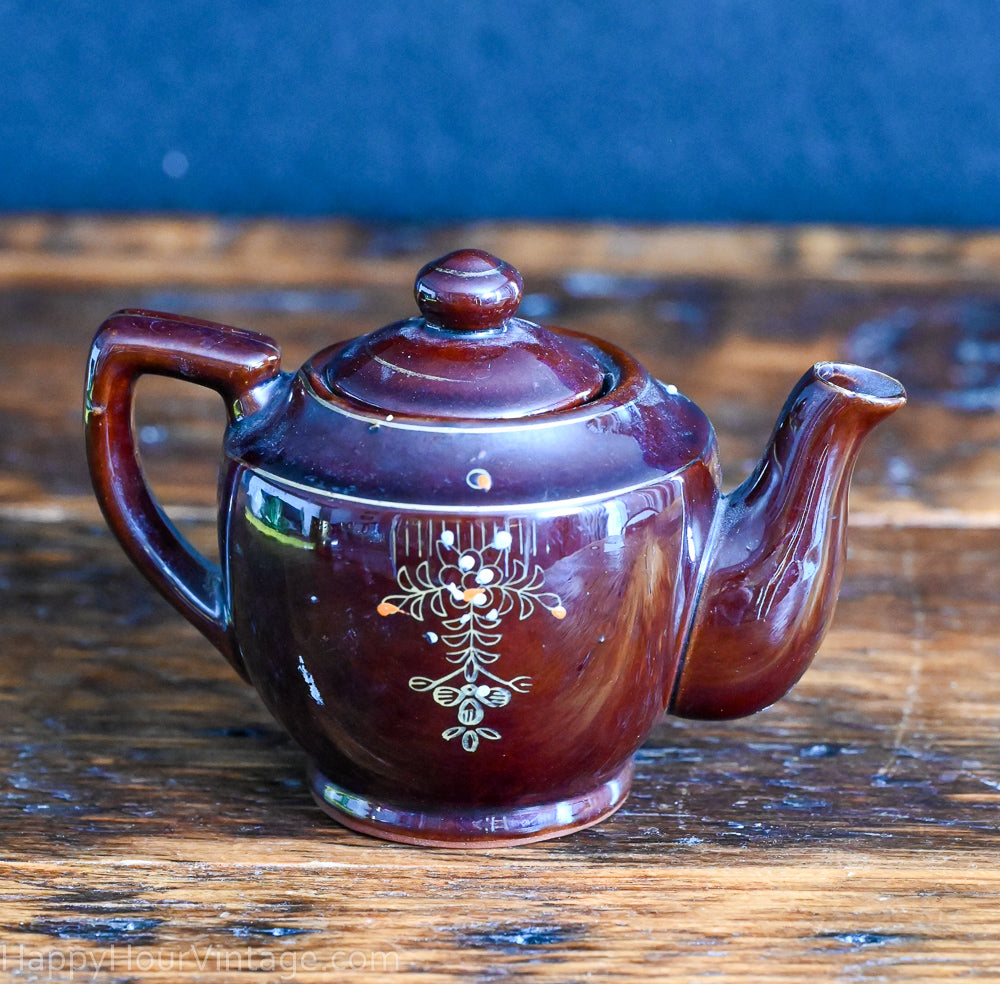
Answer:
(154, 821)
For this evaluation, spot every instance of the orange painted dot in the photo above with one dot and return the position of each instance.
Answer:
(472, 593)
(559, 611)
(386, 608)
(480, 479)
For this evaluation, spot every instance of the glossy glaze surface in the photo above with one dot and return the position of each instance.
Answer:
(515, 652)
(470, 621)
(468, 357)
(308, 436)
(778, 549)
(232, 362)
(468, 291)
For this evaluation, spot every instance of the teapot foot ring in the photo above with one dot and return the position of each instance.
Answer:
(466, 827)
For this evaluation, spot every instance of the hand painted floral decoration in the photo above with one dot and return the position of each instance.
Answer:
(471, 591)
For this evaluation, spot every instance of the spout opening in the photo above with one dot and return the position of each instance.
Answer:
(860, 383)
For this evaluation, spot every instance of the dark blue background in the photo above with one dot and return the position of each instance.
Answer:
(875, 111)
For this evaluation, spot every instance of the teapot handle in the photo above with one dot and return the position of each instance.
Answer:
(231, 361)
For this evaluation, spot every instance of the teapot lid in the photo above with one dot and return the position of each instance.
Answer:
(468, 356)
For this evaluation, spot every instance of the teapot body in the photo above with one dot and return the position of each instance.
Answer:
(464, 659)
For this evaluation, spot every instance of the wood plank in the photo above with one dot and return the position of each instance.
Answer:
(151, 801)
(154, 821)
(87, 250)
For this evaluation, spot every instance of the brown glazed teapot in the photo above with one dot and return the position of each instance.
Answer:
(468, 561)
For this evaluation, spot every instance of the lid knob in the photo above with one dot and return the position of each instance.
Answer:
(469, 290)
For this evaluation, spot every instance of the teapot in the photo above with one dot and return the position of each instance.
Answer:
(468, 561)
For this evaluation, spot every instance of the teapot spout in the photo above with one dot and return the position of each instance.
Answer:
(774, 560)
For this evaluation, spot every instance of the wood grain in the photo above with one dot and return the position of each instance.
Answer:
(154, 822)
